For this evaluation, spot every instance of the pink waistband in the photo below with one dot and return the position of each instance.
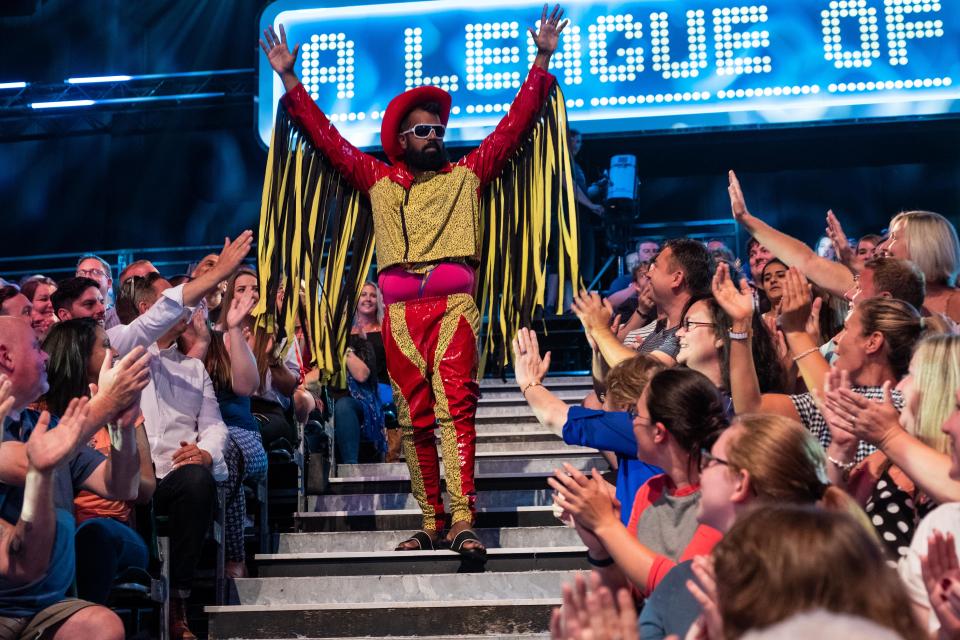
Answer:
(447, 278)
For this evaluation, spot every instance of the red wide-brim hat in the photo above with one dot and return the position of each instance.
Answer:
(402, 105)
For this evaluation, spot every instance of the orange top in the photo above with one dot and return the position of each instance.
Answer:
(89, 505)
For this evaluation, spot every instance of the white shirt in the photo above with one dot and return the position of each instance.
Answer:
(149, 327)
(179, 405)
(945, 519)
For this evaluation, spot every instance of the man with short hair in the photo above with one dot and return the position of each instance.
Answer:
(647, 249)
(41, 608)
(78, 297)
(137, 268)
(14, 304)
(757, 258)
(680, 274)
(889, 277)
(96, 268)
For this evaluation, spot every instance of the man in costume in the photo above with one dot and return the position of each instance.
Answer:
(428, 222)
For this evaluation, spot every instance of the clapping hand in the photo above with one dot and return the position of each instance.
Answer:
(121, 383)
(941, 576)
(240, 308)
(586, 498)
(799, 312)
(46, 449)
(6, 397)
(593, 311)
(593, 613)
(873, 421)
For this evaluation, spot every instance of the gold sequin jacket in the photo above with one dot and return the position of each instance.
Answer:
(434, 217)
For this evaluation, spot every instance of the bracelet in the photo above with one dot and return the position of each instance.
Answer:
(738, 335)
(599, 563)
(523, 391)
(844, 466)
(806, 353)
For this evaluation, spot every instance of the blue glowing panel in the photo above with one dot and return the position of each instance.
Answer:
(627, 66)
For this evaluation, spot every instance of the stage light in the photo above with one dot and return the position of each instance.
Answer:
(98, 79)
(13, 85)
(62, 104)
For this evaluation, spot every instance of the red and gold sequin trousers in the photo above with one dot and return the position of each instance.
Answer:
(431, 348)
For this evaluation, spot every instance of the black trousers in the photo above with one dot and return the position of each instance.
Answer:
(188, 496)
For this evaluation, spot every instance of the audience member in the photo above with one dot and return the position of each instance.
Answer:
(78, 297)
(39, 607)
(912, 439)
(106, 543)
(794, 559)
(874, 348)
(678, 413)
(760, 460)
(97, 269)
(609, 429)
(647, 249)
(137, 268)
(15, 304)
(229, 360)
(38, 290)
(215, 297)
(923, 237)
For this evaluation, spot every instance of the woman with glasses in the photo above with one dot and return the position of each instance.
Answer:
(704, 337)
(759, 460)
(679, 413)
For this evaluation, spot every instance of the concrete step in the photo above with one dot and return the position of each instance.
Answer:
(513, 427)
(383, 519)
(385, 501)
(490, 617)
(378, 563)
(573, 395)
(528, 449)
(503, 537)
(483, 481)
(484, 466)
(550, 381)
(486, 605)
(392, 589)
(506, 412)
(488, 436)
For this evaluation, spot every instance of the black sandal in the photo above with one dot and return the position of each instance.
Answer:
(476, 553)
(422, 538)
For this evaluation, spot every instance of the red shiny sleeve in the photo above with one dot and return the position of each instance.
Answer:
(360, 169)
(488, 159)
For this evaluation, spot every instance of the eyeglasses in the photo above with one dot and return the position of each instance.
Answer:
(90, 273)
(707, 459)
(422, 131)
(693, 324)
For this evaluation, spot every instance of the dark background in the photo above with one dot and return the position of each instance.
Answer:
(200, 179)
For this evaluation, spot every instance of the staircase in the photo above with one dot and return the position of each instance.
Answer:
(338, 577)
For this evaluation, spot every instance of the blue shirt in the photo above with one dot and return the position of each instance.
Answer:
(611, 431)
(27, 600)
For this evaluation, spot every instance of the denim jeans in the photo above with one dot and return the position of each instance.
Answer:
(106, 548)
(347, 422)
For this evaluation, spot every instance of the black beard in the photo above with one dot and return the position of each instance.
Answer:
(432, 157)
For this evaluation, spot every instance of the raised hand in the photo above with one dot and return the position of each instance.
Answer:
(840, 430)
(736, 302)
(841, 245)
(45, 449)
(240, 308)
(6, 396)
(738, 206)
(233, 254)
(278, 54)
(529, 368)
(550, 29)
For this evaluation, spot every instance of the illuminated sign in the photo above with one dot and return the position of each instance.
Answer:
(627, 66)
